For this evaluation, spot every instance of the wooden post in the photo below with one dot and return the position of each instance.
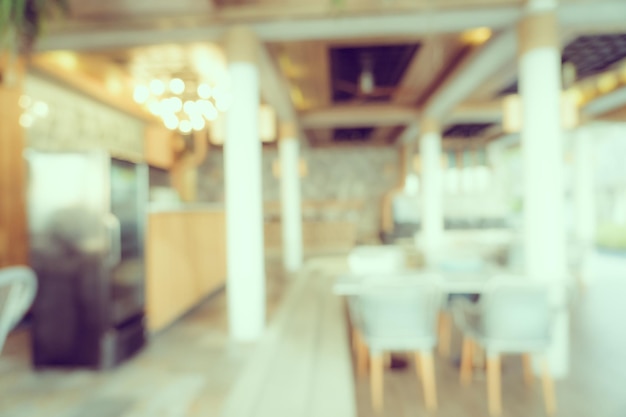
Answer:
(13, 223)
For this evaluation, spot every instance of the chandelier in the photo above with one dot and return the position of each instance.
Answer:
(183, 106)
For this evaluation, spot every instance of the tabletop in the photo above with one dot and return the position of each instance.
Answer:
(457, 282)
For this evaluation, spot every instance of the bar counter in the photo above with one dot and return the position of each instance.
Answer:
(185, 259)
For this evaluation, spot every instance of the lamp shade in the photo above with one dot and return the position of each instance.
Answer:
(512, 113)
(267, 126)
(267, 123)
(512, 117)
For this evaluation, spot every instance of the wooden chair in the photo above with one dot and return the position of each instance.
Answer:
(451, 265)
(401, 320)
(513, 317)
(367, 260)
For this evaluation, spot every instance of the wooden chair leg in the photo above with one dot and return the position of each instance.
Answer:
(427, 367)
(376, 381)
(354, 338)
(387, 358)
(494, 394)
(548, 389)
(527, 368)
(418, 366)
(467, 361)
(361, 357)
(445, 334)
(478, 356)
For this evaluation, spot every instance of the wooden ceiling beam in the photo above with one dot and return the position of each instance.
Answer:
(359, 116)
(487, 112)
(469, 74)
(617, 115)
(281, 23)
(91, 87)
(120, 9)
(606, 104)
(274, 89)
(295, 22)
(385, 115)
(435, 54)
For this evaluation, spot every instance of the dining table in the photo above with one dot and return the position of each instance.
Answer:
(452, 282)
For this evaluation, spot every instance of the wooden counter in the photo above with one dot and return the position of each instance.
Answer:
(185, 262)
(316, 235)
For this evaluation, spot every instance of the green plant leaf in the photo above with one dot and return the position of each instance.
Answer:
(21, 20)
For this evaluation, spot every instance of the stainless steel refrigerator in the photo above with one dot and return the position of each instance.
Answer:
(86, 218)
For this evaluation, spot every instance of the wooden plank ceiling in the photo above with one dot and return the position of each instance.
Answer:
(327, 75)
(404, 71)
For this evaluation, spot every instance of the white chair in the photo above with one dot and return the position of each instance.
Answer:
(18, 286)
(363, 261)
(455, 263)
(401, 319)
(514, 316)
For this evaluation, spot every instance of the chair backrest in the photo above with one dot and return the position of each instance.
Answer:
(516, 310)
(402, 312)
(376, 260)
(461, 263)
(18, 286)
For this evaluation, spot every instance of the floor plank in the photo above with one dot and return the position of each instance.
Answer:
(186, 370)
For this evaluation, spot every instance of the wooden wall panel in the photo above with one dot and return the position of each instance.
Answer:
(13, 229)
(185, 261)
(159, 146)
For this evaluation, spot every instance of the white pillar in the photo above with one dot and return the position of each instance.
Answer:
(244, 209)
(432, 188)
(543, 162)
(584, 187)
(291, 214)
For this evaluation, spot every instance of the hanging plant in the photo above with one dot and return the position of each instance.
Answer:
(21, 22)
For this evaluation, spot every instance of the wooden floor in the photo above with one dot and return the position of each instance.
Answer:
(187, 370)
(190, 369)
(596, 386)
(301, 366)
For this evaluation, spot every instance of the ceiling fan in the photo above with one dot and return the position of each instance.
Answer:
(365, 86)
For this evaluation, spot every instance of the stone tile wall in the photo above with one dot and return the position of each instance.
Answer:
(69, 120)
(350, 175)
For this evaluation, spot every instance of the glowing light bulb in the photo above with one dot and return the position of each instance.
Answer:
(141, 94)
(185, 126)
(171, 121)
(155, 107)
(204, 91)
(157, 87)
(207, 109)
(197, 123)
(476, 36)
(177, 86)
(173, 104)
(40, 109)
(25, 101)
(190, 107)
(26, 120)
